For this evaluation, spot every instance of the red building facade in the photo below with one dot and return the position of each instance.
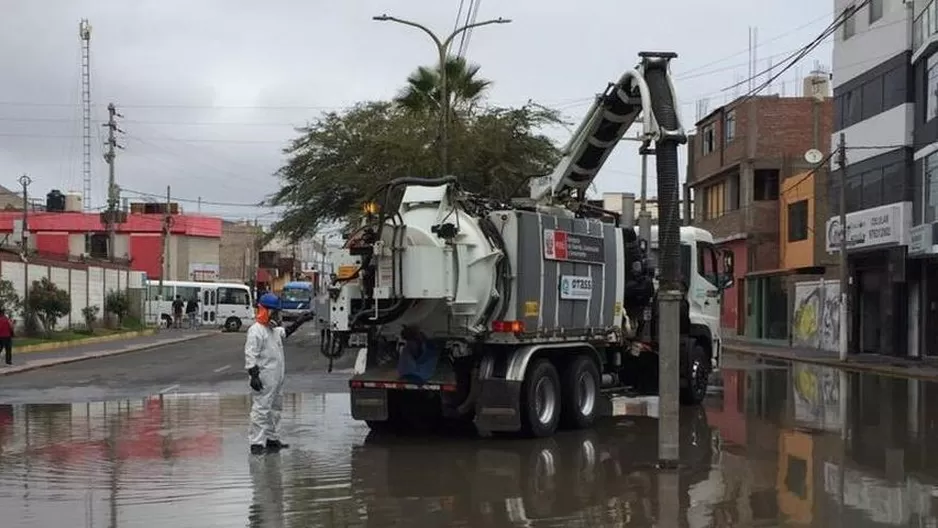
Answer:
(139, 240)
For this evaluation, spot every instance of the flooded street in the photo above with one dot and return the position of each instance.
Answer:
(802, 446)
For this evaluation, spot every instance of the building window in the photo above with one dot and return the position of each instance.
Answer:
(876, 10)
(708, 140)
(850, 22)
(715, 201)
(729, 126)
(766, 185)
(798, 221)
(872, 98)
(854, 193)
(872, 188)
(853, 112)
(931, 187)
(931, 88)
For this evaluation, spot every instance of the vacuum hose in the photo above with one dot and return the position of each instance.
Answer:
(663, 106)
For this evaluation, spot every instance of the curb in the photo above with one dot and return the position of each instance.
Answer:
(45, 347)
(97, 355)
(883, 370)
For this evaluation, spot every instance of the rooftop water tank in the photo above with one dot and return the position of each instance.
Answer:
(55, 201)
(73, 202)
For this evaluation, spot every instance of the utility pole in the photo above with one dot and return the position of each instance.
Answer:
(164, 253)
(25, 180)
(84, 33)
(112, 215)
(442, 47)
(844, 274)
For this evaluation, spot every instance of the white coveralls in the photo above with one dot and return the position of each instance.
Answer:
(264, 348)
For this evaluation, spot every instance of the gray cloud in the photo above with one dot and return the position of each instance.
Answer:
(211, 89)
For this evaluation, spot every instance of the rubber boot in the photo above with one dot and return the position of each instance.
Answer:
(276, 445)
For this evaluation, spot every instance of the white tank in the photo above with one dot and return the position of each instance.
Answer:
(73, 203)
(428, 262)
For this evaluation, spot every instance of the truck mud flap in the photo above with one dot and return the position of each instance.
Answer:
(369, 404)
(498, 406)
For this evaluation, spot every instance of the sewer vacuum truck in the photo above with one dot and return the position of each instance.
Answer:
(522, 315)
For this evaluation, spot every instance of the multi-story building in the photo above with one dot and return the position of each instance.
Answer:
(742, 159)
(877, 110)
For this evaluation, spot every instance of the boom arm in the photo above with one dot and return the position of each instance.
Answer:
(612, 114)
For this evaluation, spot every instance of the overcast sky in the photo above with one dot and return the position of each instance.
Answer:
(210, 89)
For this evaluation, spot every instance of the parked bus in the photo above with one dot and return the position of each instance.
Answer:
(221, 304)
(296, 298)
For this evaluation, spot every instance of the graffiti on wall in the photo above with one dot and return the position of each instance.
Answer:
(816, 315)
(817, 394)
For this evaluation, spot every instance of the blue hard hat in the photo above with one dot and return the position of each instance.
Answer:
(270, 301)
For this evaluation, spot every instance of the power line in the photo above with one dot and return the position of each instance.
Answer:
(196, 201)
(795, 58)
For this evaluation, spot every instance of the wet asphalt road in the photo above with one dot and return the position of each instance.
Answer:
(208, 365)
(780, 445)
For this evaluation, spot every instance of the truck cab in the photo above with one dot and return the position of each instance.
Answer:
(710, 273)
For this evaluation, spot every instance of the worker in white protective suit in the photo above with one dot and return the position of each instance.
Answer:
(264, 362)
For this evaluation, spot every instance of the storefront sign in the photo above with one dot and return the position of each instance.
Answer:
(920, 240)
(883, 226)
(561, 245)
(203, 272)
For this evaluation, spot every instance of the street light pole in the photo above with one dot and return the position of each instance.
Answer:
(442, 47)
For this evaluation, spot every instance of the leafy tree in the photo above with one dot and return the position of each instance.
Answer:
(463, 86)
(48, 302)
(342, 158)
(117, 303)
(10, 300)
(90, 313)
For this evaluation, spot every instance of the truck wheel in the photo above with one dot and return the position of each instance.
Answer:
(540, 399)
(696, 375)
(580, 392)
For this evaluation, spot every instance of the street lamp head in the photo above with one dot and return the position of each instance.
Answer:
(381, 18)
(501, 20)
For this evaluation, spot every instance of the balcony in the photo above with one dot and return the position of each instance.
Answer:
(924, 30)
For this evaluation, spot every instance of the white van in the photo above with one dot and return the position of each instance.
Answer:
(221, 304)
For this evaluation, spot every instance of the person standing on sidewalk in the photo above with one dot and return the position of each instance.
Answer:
(178, 306)
(192, 311)
(6, 337)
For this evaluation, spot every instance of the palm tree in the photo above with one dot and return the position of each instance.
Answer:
(465, 89)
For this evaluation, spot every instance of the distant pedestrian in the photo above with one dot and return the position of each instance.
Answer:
(6, 337)
(178, 306)
(192, 312)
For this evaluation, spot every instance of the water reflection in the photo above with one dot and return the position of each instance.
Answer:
(807, 446)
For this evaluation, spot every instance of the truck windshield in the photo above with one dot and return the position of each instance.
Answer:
(295, 294)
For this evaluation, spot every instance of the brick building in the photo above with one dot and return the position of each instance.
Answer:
(237, 252)
(739, 160)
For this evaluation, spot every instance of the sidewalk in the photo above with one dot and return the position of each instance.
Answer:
(26, 361)
(926, 368)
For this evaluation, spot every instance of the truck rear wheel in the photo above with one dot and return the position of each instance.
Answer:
(696, 376)
(540, 399)
(580, 386)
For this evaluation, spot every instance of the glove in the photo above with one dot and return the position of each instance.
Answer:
(255, 374)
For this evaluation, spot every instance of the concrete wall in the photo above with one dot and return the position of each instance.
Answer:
(86, 285)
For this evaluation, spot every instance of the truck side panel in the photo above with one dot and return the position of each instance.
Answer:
(581, 249)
